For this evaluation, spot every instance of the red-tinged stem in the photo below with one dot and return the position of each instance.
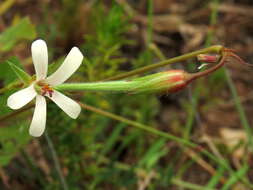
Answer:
(213, 49)
(232, 53)
(193, 76)
(240, 60)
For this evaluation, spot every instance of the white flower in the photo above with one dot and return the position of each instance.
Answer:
(24, 96)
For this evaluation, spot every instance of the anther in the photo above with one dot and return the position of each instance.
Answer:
(46, 89)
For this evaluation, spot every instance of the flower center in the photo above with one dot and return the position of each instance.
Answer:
(45, 89)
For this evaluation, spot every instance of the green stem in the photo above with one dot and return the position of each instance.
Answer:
(116, 86)
(56, 162)
(137, 125)
(149, 129)
(239, 108)
(142, 127)
(158, 82)
(213, 49)
(155, 132)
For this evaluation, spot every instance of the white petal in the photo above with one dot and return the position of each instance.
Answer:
(39, 117)
(68, 105)
(40, 58)
(68, 67)
(21, 97)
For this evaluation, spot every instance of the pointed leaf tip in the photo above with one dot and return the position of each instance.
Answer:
(21, 74)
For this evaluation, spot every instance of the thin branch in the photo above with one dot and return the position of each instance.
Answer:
(56, 162)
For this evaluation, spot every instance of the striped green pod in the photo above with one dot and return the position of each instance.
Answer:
(167, 81)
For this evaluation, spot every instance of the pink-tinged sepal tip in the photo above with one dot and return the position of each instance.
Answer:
(206, 58)
(178, 80)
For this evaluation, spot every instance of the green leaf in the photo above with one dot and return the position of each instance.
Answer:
(21, 74)
(7, 77)
(239, 174)
(14, 135)
(23, 30)
(152, 156)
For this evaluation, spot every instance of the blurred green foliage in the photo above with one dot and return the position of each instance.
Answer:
(96, 152)
(22, 30)
(12, 139)
(13, 136)
(103, 46)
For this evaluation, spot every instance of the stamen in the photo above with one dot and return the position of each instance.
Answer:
(46, 89)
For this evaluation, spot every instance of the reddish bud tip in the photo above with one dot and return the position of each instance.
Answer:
(208, 58)
(178, 79)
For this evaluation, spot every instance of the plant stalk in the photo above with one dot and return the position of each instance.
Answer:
(213, 49)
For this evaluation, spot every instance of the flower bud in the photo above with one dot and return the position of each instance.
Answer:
(168, 81)
(208, 58)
